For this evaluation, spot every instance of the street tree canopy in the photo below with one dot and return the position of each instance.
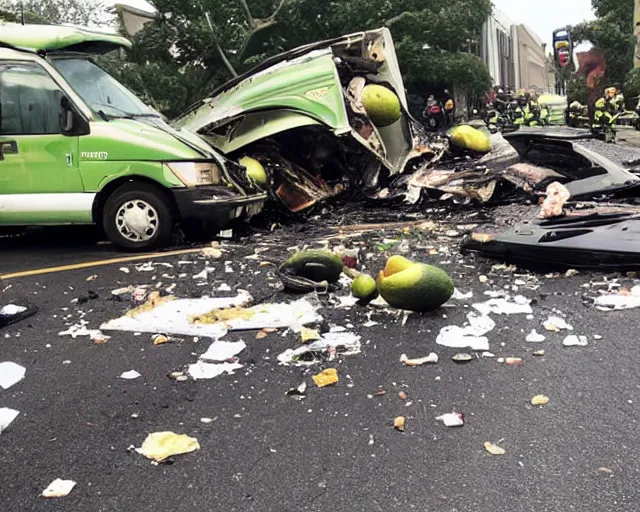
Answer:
(195, 46)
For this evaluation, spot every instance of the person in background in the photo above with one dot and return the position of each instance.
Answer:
(449, 109)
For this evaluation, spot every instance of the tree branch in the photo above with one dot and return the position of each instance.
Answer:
(247, 12)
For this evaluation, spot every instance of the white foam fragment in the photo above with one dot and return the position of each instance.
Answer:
(130, 375)
(223, 350)
(10, 374)
(458, 295)
(505, 306)
(81, 329)
(471, 336)
(12, 309)
(452, 419)
(557, 324)
(575, 341)
(535, 337)
(59, 488)
(6, 417)
(203, 371)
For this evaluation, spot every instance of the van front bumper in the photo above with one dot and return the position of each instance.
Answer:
(209, 205)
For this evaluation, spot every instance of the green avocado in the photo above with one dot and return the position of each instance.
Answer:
(364, 288)
(417, 287)
(315, 264)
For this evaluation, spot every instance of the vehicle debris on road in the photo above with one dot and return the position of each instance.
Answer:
(6, 417)
(494, 449)
(452, 419)
(399, 423)
(159, 446)
(59, 488)
(11, 373)
(430, 359)
(327, 377)
(540, 400)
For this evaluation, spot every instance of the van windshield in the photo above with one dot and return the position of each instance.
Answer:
(103, 93)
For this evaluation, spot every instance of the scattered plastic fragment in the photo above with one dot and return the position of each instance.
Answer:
(160, 339)
(513, 361)
(430, 359)
(471, 336)
(462, 358)
(307, 335)
(130, 375)
(402, 395)
(159, 446)
(58, 488)
(399, 423)
(605, 470)
(556, 324)
(539, 353)
(575, 341)
(327, 377)
(92, 278)
(10, 374)
(299, 392)
(494, 449)
(220, 351)
(6, 417)
(452, 419)
(178, 376)
(458, 295)
(619, 301)
(326, 348)
(572, 272)
(540, 400)
(505, 306)
(12, 309)
(204, 371)
(535, 337)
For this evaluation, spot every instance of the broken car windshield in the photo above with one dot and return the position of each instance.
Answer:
(102, 92)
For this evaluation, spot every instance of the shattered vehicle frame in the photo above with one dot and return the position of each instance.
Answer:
(300, 115)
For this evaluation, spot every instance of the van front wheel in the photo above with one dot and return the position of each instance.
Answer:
(136, 217)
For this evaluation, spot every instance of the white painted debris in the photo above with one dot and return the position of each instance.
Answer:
(505, 306)
(557, 324)
(224, 287)
(575, 341)
(130, 375)
(204, 274)
(471, 336)
(370, 323)
(347, 301)
(10, 374)
(124, 270)
(331, 343)
(203, 371)
(223, 350)
(59, 488)
(6, 417)
(12, 309)
(430, 359)
(458, 295)
(173, 317)
(80, 329)
(452, 419)
(535, 337)
(617, 302)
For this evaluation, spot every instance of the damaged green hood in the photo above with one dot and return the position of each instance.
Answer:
(306, 87)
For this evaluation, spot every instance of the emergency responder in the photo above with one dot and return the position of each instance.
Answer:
(449, 109)
(518, 115)
(619, 100)
(605, 111)
(575, 113)
(532, 111)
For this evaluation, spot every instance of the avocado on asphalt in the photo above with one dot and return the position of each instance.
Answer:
(314, 264)
(364, 287)
(414, 286)
(467, 137)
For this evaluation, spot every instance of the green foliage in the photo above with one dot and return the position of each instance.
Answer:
(577, 90)
(180, 58)
(76, 12)
(632, 87)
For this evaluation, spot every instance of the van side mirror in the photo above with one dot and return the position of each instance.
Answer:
(71, 122)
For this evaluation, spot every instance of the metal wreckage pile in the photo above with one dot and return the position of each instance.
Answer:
(331, 119)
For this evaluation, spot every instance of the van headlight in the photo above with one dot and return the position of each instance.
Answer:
(194, 174)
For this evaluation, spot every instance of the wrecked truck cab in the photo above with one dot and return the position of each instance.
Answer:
(301, 115)
(77, 147)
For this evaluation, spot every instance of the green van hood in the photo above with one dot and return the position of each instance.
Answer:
(55, 37)
(131, 139)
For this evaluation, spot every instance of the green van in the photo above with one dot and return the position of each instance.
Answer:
(77, 147)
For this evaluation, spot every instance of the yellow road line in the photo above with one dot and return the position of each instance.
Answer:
(97, 263)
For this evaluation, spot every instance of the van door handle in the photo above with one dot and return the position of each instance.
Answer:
(8, 147)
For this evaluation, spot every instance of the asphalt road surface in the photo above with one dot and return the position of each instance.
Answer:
(335, 450)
